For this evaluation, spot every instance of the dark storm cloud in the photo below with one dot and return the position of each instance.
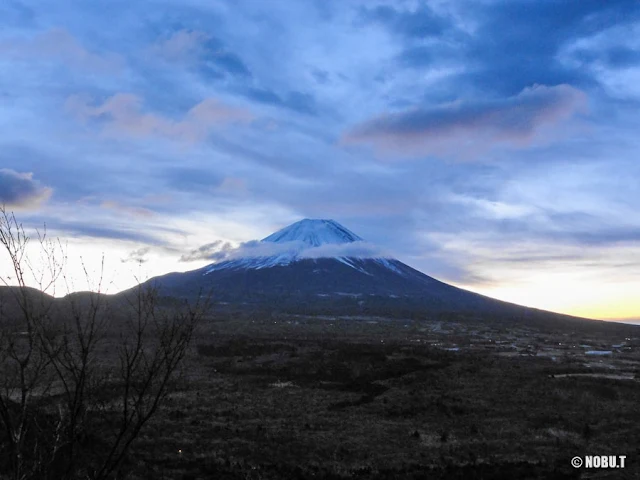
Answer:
(20, 189)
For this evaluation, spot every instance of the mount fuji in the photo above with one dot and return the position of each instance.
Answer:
(306, 239)
(314, 233)
(319, 265)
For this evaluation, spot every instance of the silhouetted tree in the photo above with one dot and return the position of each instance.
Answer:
(80, 376)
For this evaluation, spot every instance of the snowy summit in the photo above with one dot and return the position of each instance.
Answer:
(306, 239)
(314, 233)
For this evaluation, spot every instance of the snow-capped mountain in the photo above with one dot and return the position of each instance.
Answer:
(321, 266)
(306, 239)
(314, 233)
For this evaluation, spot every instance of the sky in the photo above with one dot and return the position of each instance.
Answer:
(491, 144)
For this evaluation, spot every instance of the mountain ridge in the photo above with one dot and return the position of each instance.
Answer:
(337, 283)
(307, 266)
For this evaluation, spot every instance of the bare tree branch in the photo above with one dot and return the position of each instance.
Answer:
(56, 386)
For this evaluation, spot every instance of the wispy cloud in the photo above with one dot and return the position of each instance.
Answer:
(470, 127)
(128, 210)
(181, 45)
(59, 45)
(137, 256)
(208, 55)
(93, 231)
(123, 115)
(422, 22)
(217, 250)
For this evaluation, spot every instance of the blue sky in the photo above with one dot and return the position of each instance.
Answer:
(490, 144)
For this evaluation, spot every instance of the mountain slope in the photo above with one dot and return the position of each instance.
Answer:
(320, 265)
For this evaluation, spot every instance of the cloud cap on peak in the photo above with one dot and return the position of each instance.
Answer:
(284, 252)
(471, 126)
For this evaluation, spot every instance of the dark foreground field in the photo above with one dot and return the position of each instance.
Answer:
(298, 398)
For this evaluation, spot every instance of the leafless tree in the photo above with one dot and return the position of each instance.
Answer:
(80, 376)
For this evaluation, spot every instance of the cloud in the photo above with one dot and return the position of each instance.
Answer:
(212, 57)
(514, 44)
(520, 253)
(233, 185)
(612, 56)
(602, 236)
(502, 46)
(217, 250)
(471, 127)
(122, 115)
(419, 23)
(21, 190)
(181, 44)
(220, 251)
(139, 212)
(297, 101)
(60, 45)
(358, 249)
(89, 229)
(191, 179)
(409, 53)
(137, 256)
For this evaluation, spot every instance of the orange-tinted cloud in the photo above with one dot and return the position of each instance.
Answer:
(58, 44)
(471, 127)
(122, 115)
